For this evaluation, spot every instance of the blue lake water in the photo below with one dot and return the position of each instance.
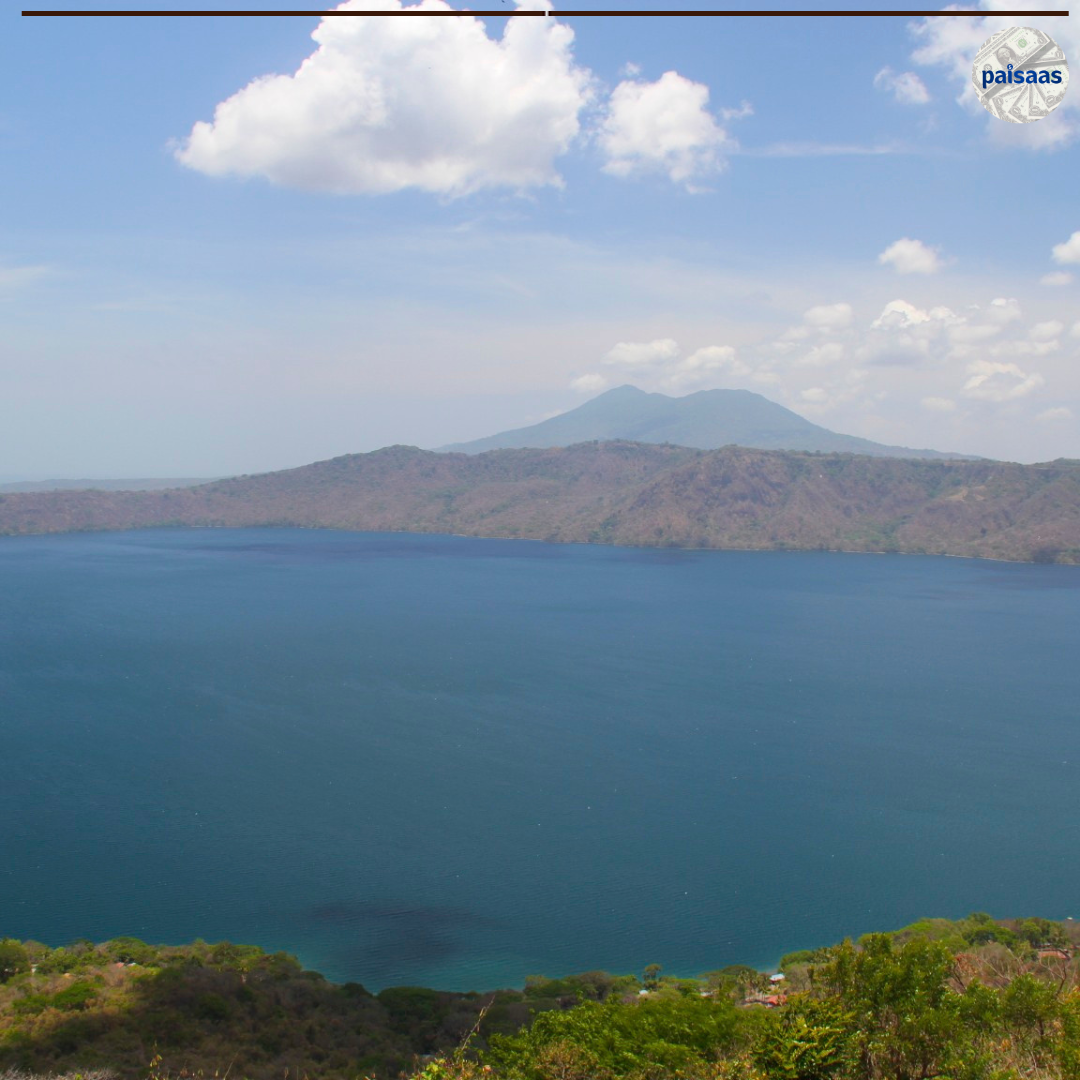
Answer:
(456, 762)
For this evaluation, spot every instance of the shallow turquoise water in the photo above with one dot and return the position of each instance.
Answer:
(458, 762)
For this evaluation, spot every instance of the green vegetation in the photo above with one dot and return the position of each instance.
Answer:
(972, 999)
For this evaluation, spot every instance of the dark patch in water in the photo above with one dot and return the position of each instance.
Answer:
(381, 938)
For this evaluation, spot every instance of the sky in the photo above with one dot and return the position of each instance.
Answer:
(237, 244)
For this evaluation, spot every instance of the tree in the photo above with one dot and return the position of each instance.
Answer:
(905, 1014)
(130, 950)
(813, 1040)
(648, 1037)
(14, 959)
(651, 976)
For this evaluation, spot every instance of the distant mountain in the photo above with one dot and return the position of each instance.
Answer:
(706, 420)
(622, 493)
(150, 484)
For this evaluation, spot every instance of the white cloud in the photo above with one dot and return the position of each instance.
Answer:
(660, 365)
(899, 314)
(386, 104)
(915, 374)
(642, 354)
(710, 364)
(965, 333)
(930, 357)
(906, 336)
(1004, 310)
(1069, 252)
(952, 44)
(1047, 331)
(906, 88)
(1055, 415)
(819, 320)
(589, 384)
(828, 317)
(907, 256)
(1059, 277)
(741, 112)
(995, 381)
(824, 355)
(662, 126)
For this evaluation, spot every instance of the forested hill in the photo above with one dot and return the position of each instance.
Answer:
(623, 493)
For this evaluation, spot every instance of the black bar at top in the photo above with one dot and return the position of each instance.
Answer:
(569, 14)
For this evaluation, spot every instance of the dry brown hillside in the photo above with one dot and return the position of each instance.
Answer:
(623, 493)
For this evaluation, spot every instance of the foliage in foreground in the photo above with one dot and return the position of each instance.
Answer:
(968, 1000)
(976, 999)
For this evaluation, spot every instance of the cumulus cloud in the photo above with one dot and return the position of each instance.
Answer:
(660, 365)
(979, 353)
(898, 314)
(642, 354)
(387, 104)
(819, 320)
(959, 368)
(907, 256)
(1068, 252)
(906, 88)
(1004, 310)
(662, 127)
(951, 44)
(906, 335)
(1047, 331)
(1059, 277)
(996, 381)
(1055, 415)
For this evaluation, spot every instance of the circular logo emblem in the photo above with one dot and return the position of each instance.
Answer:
(1020, 75)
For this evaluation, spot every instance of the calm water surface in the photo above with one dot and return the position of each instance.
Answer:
(458, 762)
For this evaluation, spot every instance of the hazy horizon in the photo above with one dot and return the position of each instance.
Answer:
(5, 480)
(239, 249)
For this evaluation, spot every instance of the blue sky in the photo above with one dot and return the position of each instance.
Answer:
(434, 232)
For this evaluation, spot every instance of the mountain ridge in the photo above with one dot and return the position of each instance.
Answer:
(634, 494)
(705, 420)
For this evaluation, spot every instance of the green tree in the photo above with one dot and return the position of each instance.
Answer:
(1029, 1008)
(75, 997)
(14, 959)
(812, 1040)
(130, 950)
(907, 1019)
(616, 1039)
(1068, 1048)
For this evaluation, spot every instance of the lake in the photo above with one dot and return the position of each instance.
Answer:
(457, 762)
